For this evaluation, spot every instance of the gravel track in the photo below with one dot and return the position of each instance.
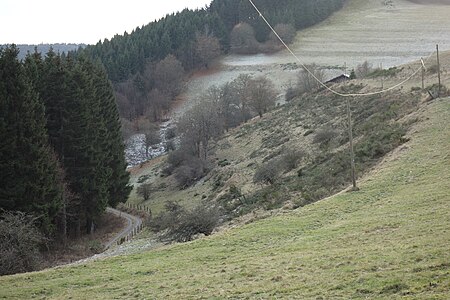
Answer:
(133, 223)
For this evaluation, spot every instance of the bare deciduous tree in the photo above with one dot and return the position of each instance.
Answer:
(287, 33)
(169, 74)
(362, 70)
(230, 107)
(261, 95)
(158, 105)
(199, 125)
(207, 48)
(306, 81)
(239, 88)
(151, 134)
(243, 39)
(144, 190)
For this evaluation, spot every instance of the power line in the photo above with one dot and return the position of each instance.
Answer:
(318, 80)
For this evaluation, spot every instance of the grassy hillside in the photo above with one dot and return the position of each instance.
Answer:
(379, 124)
(390, 240)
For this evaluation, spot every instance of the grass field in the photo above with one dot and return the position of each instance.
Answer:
(390, 240)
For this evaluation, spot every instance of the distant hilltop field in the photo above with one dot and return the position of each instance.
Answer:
(443, 2)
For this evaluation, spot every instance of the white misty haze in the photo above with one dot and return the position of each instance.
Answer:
(80, 21)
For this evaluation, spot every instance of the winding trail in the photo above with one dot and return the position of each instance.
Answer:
(133, 224)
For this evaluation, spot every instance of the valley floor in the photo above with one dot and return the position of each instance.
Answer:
(388, 241)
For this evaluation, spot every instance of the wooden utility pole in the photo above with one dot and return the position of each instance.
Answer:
(350, 135)
(439, 71)
(423, 74)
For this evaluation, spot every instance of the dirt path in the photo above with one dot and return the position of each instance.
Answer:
(134, 223)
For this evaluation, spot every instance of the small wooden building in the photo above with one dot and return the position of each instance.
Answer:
(339, 79)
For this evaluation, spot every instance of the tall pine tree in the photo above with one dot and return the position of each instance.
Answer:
(29, 169)
(118, 188)
(93, 149)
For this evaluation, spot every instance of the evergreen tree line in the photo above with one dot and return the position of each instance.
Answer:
(125, 55)
(193, 38)
(62, 155)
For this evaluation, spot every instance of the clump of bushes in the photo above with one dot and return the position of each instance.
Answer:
(268, 173)
(324, 137)
(291, 159)
(434, 90)
(182, 225)
(364, 69)
(190, 172)
(391, 72)
(186, 168)
(20, 242)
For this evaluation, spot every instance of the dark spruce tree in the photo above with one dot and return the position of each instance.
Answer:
(49, 80)
(82, 156)
(118, 188)
(84, 130)
(93, 150)
(29, 169)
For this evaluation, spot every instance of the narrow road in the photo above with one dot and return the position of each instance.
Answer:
(133, 223)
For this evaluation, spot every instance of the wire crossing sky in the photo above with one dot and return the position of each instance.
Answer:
(81, 21)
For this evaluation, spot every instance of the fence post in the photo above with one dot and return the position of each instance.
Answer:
(439, 71)
(352, 154)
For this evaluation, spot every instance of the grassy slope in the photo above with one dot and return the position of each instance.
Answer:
(389, 240)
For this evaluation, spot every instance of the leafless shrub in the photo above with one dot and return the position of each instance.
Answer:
(243, 39)
(324, 137)
(191, 171)
(183, 225)
(268, 173)
(364, 69)
(309, 81)
(432, 69)
(291, 159)
(20, 240)
(176, 159)
(144, 190)
(291, 93)
(287, 33)
(171, 133)
(170, 146)
(200, 220)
